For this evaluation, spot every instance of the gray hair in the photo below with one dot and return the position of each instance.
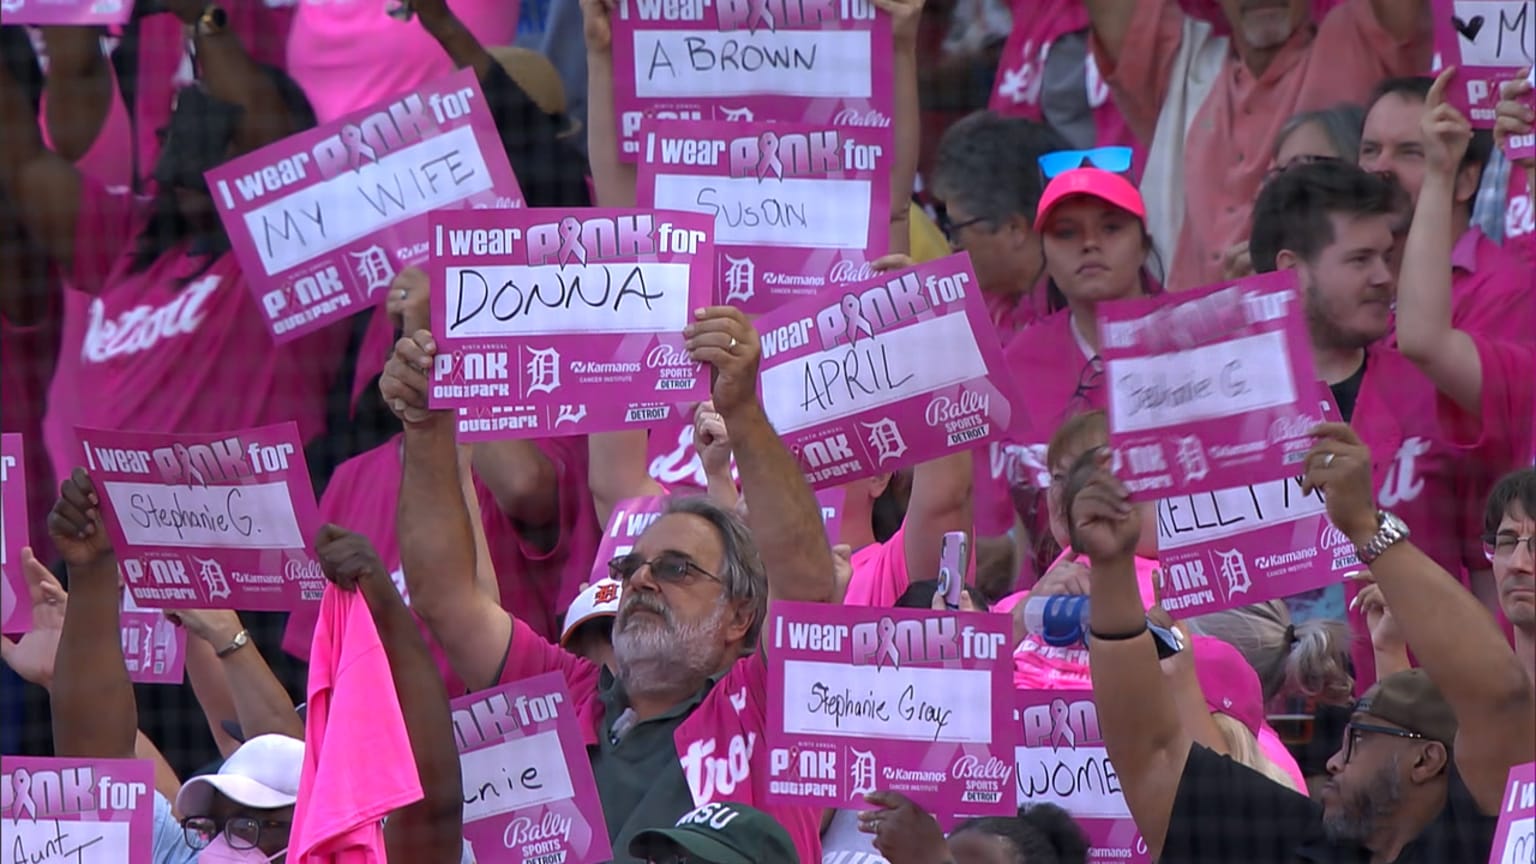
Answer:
(1310, 659)
(1342, 125)
(989, 164)
(741, 570)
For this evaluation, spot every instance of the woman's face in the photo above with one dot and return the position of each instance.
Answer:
(1305, 141)
(979, 847)
(1094, 250)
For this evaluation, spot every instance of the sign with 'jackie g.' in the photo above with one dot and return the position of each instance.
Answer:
(322, 221)
(797, 206)
(80, 811)
(216, 521)
(565, 322)
(876, 376)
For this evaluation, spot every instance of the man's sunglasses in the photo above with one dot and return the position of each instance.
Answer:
(671, 567)
(1116, 160)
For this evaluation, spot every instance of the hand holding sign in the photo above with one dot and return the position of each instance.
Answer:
(723, 337)
(1446, 130)
(904, 833)
(904, 17)
(217, 627)
(31, 656)
(75, 523)
(1514, 117)
(1101, 520)
(1340, 466)
(348, 558)
(405, 381)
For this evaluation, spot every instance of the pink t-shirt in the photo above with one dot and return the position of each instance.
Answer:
(177, 347)
(732, 719)
(538, 585)
(349, 54)
(1491, 290)
(1038, 666)
(1503, 432)
(27, 357)
(358, 763)
(879, 572)
(1271, 745)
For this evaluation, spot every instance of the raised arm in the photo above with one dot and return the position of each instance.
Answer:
(613, 178)
(712, 441)
(907, 122)
(239, 685)
(1514, 117)
(45, 183)
(1455, 640)
(783, 514)
(1404, 19)
(94, 713)
(79, 89)
(940, 503)
(232, 76)
(437, 540)
(431, 830)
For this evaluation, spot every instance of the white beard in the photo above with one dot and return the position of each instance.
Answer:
(663, 655)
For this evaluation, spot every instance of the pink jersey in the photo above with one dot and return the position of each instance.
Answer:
(176, 347)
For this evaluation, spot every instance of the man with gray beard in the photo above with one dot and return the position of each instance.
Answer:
(682, 723)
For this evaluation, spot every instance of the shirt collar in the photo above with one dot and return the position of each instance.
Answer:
(1464, 253)
(610, 690)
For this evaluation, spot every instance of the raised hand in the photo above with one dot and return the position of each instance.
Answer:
(904, 833)
(1446, 130)
(1067, 576)
(217, 627)
(596, 16)
(1386, 636)
(407, 378)
(347, 558)
(905, 15)
(31, 656)
(1514, 115)
(75, 522)
(711, 439)
(723, 337)
(1102, 522)
(1340, 466)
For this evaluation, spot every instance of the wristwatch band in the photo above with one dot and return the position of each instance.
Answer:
(242, 639)
(214, 20)
(1389, 532)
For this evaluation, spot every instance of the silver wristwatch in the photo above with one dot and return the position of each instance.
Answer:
(242, 639)
(1390, 531)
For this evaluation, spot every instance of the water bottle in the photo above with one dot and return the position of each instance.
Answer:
(1060, 620)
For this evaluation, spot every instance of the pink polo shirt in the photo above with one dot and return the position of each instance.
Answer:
(1491, 289)
(1228, 146)
(1503, 431)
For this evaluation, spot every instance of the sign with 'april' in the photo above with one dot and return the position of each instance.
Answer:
(81, 811)
(322, 221)
(565, 322)
(217, 521)
(887, 373)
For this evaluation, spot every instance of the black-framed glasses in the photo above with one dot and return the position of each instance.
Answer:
(240, 832)
(950, 228)
(673, 567)
(1116, 160)
(1505, 545)
(1353, 731)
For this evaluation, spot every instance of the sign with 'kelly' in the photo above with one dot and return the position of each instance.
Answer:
(15, 600)
(216, 521)
(565, 322)
(897, 700)
(1489, 42)
(322, 221)
(811, 61)
(1208, 389)
(797, 206)
(528, 788)
(81, 811)
(1061, 760)
(892, 372)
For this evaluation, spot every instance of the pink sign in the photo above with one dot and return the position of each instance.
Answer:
(567, 322)
(15, 600)
(83, 811)
(1515, 842)
(887, 373)
(1061, 760)
(154, 649)
(899, 700)
(1489, 42)
(1236, 547)
(66, 13)
(322, 220)
(545, 808)
(811, 61)
(1208, 389)
(216, 521)
(797, 206)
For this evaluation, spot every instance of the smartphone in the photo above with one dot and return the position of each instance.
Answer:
(952, 561)
(1169, 642)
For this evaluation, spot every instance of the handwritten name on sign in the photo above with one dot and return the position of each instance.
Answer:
(567, 322)
(1207, 387)
(797, 206)
(1489, 42)
(814, 61)
(528, 788)
(868, 700)
(1515, 840)
(83, 811)
(885, 373)
(1061, 760)
(15, 601)
(219, 521)
(66, 13)
(322, 220)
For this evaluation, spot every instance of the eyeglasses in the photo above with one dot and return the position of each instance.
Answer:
(950, 228)
(1504, 545)
(1353, 731)
(671, 567)
(1116, 160)
(240, 832)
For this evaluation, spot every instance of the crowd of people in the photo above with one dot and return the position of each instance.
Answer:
(1127, 150)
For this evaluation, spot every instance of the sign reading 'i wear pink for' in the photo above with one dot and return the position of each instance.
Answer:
(1515, 842)
(15, 600)
(216, 521)
(83, 811)
(884, 374)
(322, 221)
(1489, 42)
(867, 702)
(1208, 389)
(66, 13)
(565, 322)
(546, 808)
(811, 61)
(797, 206)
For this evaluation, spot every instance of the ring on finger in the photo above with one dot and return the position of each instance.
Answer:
(732, 346)
(1327, 459)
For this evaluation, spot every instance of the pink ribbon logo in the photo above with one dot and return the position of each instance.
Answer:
(357, 148)
(886, 649)
(458, 367)
(757, 13)
(853, 313)
(1061, 725)
(768, 156)
(22, 781)
(570, 242)
(189, 473)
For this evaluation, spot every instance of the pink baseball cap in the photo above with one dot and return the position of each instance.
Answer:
(599, 600)
(1230, 684)
(1097, 183)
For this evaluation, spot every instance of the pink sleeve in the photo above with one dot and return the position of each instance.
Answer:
(879, 573)
(529, 654)
(1351, 33)
(1139, 76)
(104, 231)
(1271, 746)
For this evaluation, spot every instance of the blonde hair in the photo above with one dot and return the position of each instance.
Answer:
(1311, 659)
(1243, 748)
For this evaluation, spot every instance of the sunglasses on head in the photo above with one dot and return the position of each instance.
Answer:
(1116, 160)
(669, 567)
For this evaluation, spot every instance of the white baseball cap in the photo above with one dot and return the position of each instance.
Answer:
(599, 600)
(263, 774)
